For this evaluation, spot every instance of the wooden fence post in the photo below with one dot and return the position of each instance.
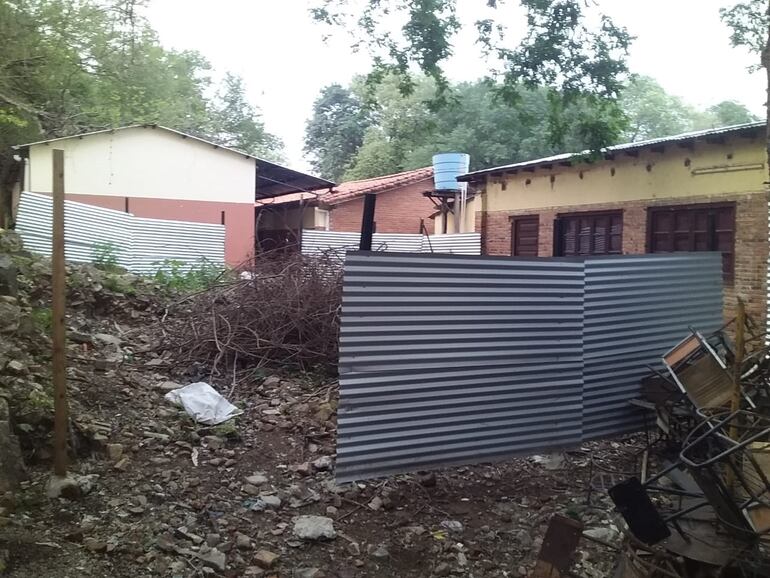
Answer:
(59, 287)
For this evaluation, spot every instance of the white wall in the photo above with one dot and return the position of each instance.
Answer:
(145, 162)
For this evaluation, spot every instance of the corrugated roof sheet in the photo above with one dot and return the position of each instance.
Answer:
(619, 148)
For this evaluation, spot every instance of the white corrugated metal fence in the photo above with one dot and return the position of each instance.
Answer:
(315, 242)
(140, 245)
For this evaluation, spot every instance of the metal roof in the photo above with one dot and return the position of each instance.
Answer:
(685, 137)
(272, 179)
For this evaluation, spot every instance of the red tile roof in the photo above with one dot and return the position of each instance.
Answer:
(354, 189)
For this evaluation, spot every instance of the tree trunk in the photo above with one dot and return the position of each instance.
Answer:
(9, 175)
(766, 64)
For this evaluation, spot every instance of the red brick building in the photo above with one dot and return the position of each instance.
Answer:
(401, 208)
(701, 191)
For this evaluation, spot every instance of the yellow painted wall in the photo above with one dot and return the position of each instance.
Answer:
(739, 164)
(278, 217)
(470, 219)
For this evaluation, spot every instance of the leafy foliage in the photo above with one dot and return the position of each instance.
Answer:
(336, 130)
(179, 276)
(581, 66)
(749, 22)
(405, 131)
(105, 256)
(72, 65)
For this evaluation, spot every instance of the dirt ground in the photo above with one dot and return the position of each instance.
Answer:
(179, 489)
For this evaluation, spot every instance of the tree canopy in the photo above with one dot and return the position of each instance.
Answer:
(72, 65)
(402, 132)
(570, 50)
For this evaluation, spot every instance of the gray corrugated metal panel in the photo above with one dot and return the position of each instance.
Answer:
(450, 359)
(408, 401)
(139, 244)
(637, 307)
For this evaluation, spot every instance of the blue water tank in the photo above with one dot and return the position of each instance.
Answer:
(447, 167)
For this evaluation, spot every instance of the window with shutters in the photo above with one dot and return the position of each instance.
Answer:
(524, 236)
(694, 228)
(588, 234)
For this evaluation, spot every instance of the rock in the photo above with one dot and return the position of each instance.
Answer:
(323, 413)
(452, 525)
(8, 282)
(213, 540)
(256, 479)
(213, 559)
(80, 338)
(107, 339)
(16, 367)
(266, 559)
(10, 315)
(165, 543)
(314, 528)
(63, 487)
(605, 534)
(442, 569)
(114, 452)
(271, 501)
(304, 469)
(375, 503)
(254, 571)
(87, 483)
(122, 465)
(242, 541)
(166, 386)
(307, 573)
(380, 551)
(322, 464)
(187, 535)
(331, 510)
(250, 490)
(12, 471)
(427, 479)
(271, 381)
(550, 461)
(523, 540)
(214, 442)
(88, 523)
(95, 545)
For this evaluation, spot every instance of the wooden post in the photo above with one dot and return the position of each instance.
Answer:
(740, 353)
(59, 287)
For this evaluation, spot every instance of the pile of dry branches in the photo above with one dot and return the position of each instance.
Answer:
(282, 311)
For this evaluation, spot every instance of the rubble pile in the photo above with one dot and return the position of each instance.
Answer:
(701, 502)
(153, 493)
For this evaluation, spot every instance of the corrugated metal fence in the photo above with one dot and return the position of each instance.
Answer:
(315, 242)
(449, 360)
(141, 245)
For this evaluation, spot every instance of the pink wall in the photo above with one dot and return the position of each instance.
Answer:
(238, 217)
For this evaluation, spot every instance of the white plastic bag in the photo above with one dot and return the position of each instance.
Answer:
(203, 403)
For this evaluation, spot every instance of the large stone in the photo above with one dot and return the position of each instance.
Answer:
(265, 558)
(10, 315)
(8, 282)
(214, 559)
(314, 528)
(64, 487)
(12, 470)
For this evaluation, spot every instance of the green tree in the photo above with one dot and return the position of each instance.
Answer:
(582, 66)
(67, 66)
(750, 25)
(729, 112)
(336, 131)
(653, 113)
(238, 124)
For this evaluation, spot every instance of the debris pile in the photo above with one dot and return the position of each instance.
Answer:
(701, 503)
(284, 310)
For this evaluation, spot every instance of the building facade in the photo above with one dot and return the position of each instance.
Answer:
(156, 172)
(703, 191)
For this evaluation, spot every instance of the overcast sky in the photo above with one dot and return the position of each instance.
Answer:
(280, 52)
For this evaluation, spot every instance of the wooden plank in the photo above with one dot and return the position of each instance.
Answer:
(58, 306)
(560, 542)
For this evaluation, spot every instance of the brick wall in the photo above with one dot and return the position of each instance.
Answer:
(396, 211)
(751, 239)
